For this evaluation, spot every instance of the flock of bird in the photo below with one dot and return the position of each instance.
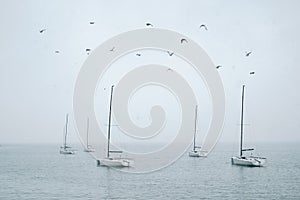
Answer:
(148, 24)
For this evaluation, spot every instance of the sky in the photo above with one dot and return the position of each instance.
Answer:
(37, 84)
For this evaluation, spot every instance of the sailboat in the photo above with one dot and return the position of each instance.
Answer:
(195, 152)
(110, 161)
(66, 149)
(243, 160)
(88, 147)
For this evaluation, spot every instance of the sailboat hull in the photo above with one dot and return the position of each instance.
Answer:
(250, 161)
(67, 151)
(89, 150)
(194, 154)
(114, 162)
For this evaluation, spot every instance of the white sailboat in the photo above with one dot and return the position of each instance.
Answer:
(243, 160)
(66, 149)
(88, 147)
(110, 161)
(195, 152)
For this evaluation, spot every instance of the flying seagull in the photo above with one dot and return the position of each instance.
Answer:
(170, 53)
(112, 49)
(203, 25)
(218, 66)
(138, 54)
(149, 24)
(248, 53)
(88, 51)
(183, 40)
(169, 69)
(41, 31)
(252, 72)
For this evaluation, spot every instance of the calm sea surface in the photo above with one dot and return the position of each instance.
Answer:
(40, 172)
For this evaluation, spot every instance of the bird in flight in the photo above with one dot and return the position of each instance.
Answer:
(112, 49)
(149, 24)
(248, 53)
(169, 69)
(92, 22)
(218, 66)
(170, 53)
(203, 26)
(56, 51)
(88, 51)
(138, 54)
(43, 30)
(252, 73)
(183, 40)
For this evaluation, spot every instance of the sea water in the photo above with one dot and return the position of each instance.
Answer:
(40, 172)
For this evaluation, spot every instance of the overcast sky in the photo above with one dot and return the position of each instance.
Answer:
(37, 84)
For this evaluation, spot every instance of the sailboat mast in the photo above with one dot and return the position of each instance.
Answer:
(242, 122)
(109, 119)
(87, 133)
(66, 128)
(195, 128)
